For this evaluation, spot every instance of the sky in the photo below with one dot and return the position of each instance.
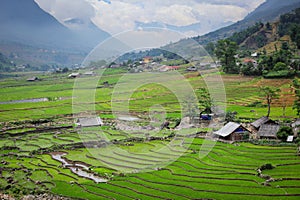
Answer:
(116, 16)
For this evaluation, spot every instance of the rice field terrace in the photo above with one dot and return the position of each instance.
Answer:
(42, 151)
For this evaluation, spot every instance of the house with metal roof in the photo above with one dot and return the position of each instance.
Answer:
(232, 132)
(290, 138)
(268, 131)
(74, 75)
(89, 73)
(259, 122)
(88, 122)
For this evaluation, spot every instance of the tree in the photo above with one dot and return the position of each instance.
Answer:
(269, 94)
(65, 70)
(226, 51)
(205, 102)
(210, 48)
(230, 116)
(296, 86)
(280, 66)
(284, 132)
(249, 69)
(190, 108)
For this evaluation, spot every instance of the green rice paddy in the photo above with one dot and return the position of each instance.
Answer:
(134, 165)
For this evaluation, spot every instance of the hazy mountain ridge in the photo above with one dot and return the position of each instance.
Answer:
(35, 37)
(24, 21)
(268, 11)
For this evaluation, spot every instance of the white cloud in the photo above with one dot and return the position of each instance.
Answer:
(116, 16)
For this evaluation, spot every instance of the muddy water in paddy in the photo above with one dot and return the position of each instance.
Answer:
(35, 100)
(77, 168)
(25, 101)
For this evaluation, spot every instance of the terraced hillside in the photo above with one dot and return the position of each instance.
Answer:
(228, 172)
(42, 151)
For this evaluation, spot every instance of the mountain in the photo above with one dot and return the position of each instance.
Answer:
(270, 10)
(84, 28)
(24, 21)
(33, 36)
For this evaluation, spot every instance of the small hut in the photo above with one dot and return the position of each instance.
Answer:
(32, 79)
(74, 75)
(89, 73)
(258, 123)
(290, 138)
(89, 122)
(268, 131)
(232, 132)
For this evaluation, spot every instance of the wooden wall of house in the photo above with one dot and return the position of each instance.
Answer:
(234, 137)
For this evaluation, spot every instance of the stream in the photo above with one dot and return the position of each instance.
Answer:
(77, 168)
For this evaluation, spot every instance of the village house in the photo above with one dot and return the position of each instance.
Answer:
(290, 138)
(89, 73)
(268, 131)
(192, 69)
(32, 79)
(168, 68)
(250, 60)
(74, 75)
(259, 122)
(89, 122)
(232, 132)
(264, 127)
(147, 59)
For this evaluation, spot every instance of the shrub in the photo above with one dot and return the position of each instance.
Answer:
(279, 74)
(230, 116)
(284, 132)
(267, 166)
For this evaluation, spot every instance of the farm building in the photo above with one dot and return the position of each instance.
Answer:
(290, 138)
(296, 127)
(88, 122)
(32, 79)
(268, 131)
(232, 132)
(255, 126)
(261, 121)
(89, 73)
(74, 75)
(168, 68)
(147, 59)
(192, 69)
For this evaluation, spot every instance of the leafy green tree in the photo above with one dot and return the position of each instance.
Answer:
(205, 102)
(295, 34)
(190, 108)
(269, 94)
(284, 132)
(65, 70)
(249, 69)
(280, 66)
(230, 116)
(210, 48)
(296, 85)
(226, 51)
